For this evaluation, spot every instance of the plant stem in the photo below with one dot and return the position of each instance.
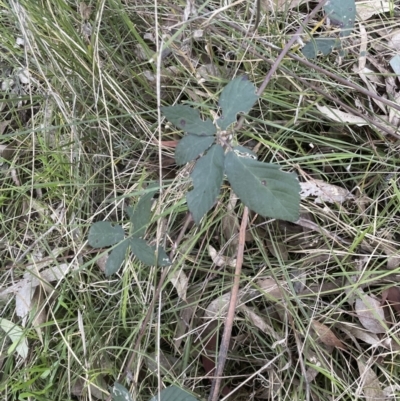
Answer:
(226, 337)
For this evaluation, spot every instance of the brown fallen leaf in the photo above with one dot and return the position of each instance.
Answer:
(371, 314)
(85, 10)
(370, 383)
(355, 331)
(326, 335)
(219, 259)
(180, 281)
(392, 297)
(258, 321)
(271, 289)
(230, 225)
(278, 249)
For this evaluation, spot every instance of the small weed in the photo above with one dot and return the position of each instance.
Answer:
(263, 187)
(103, 233)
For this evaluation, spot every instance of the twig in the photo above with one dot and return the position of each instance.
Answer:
(312, 66)
(276, 63)
(226, 337)
(382, 128)
(286, 49)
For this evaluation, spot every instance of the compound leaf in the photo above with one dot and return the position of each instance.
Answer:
(140, 218)
(190, 146)
(238, 96)
(323, 45)
(207, 178)
(174, 393)
(116, 257)
(263, 188)
(103, 233)
(341, 13)
(120, 393)
(147, 254)
(188, 119)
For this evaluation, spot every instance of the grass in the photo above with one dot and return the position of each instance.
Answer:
(83, 139)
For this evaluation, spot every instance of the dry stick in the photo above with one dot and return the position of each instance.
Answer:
(226, 337)
(315, 67)
(282, 54)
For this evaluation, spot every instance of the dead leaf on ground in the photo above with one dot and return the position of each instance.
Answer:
(24, 296)
(392, 297)
(259, 322)
(324, 192)
(85, 10)
(39, 311)
(391, 391)
(326, 335)
(219, 259)
(367, 9)
(185, 317)
(371, 314)
(162, 359)
(278, 249)
(180, 281)
(7, 151)
(230, 225)
(355, 331)
(280, 5)
(341, 117)
(271, 289)
(370, 383)
(372, 81)
(312, 373)
(394, 40)
(219, 307)
(3, 125)
(55, 273)
(80, 388)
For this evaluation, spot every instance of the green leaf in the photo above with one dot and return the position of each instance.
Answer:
(103, 233)
(174, 393)
(342, 13)
(142, 214)
(190, 146)
(263, 188)
(116, 257)
(129, 212)
(188, 119)
(147, 254)
(207, 178)
(120, 393)
(17, 337)
(238, 96)
(162, 259)
(323, 45)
